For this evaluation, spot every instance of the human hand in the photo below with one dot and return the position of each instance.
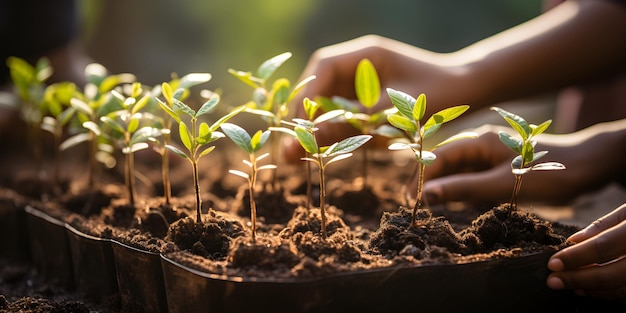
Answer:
(399, 66)
(478, 170)
(595, 265)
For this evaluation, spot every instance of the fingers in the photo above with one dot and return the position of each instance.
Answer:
(603, 281)
(486, 187)
(596, 265)
(600, 225)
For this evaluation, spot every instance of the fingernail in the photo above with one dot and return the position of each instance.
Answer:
(554, 282)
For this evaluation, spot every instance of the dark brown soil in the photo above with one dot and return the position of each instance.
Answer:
(367, 226)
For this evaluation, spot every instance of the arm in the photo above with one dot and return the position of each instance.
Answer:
(576, 41)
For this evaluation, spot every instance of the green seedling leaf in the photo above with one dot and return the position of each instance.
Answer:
(134, 148)
(267, 167)
(306, 139)
(427, 158)
(310, 108)
(517, 122)
(419, 109)
(185, 136)
(548, 166)
(239, 136)
(538, 129)
(348, 145)
(259, 139)
(280, 90)
(193, 79)
(538, 155)
(283, 130)
(299, 87)
(208, 106)
(327, 116)
(339, 158)
(267, 68)
(177, 151)
(402, 146)
(113, 124)
(206, 151)
(169, 110)
(459, 136)
(402, 122)
(367, 84)
(239, 173)
(511, 142)
(74, 140)
(402, 101)
(245, 77)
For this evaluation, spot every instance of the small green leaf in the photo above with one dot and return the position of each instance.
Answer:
(299, 87)
(226, 117)
(427, 158)
(245, 77)
(511, 142)
(402, 122)
(339, 158)
(140, 104)
(168, 110)
(419, 109)
(517, 162)
(179, 106)
(204, 133)
(280, 89)
(166, 89)
(113, 124)
(367, 84)
(239, 136)
(133, 124)
(459, 136)
(548, 166)
(81, 106)
(306, 139)
(206, 151)
(538, 129)
(74, 140)
(283, 130)
(177, 151)
(349, 144)
(538, 155)
(267, 68)
(517, 122)
(239, 173)
(208, 106)
(399, 146)
(328, 116)
(259, 139)
(310, 107)
(185, 136)
(402, 101)
(193, 79)
(267, 167)
(135, 147)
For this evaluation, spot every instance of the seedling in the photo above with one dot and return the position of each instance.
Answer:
(367, 87)
(524, 146)
(131, 129)
(304, 131)
(410, 112)
(90, 107)
(56, 102)
(250, 145)
(29, 82)
(310, 109)
(270, 104)
(195, 137)
(181, 87)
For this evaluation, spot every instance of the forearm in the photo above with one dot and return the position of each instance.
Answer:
(572, 43)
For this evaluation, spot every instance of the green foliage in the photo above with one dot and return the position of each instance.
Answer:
(304, 132)
(194, 137)
(249, 144)
(524, 146)
(408, 117)
(270, 103)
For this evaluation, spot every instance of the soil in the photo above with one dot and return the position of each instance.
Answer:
(368, 226)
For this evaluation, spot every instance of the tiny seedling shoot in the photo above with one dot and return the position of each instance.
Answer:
(131, 129)
(177, 88)
(196, 137)
(304, 132)
(367, 88)
(524, 146)
(272, 104)
(250, 145)
(407, 118)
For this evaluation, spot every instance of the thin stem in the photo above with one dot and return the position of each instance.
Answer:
(308, 185)
(56, 189)
(93, 149)
(252, 183)
(274, 159)
(167, 190)
(322, 196)
(418, 201)
(194, 165)
(516, 189)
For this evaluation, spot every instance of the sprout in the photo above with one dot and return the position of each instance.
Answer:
(407, 118)
(250, 145)
(195, 137)
(130, 129)
(270, 103)
(525, 148)
(96, 102)
(29, 82)
(181, 87)
(367, 88)
(304, 132)
(56, 102)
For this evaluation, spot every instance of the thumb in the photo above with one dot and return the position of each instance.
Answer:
(492, 186)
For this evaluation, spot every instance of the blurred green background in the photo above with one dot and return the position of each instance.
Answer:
(153, 38)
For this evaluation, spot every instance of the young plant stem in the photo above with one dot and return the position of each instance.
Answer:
(516, 189)
(165, 169)
(194, 165)
(309, 184)
(93, 149)
(418, 201)
(130, 178)
(251, 184)
(322, 196)
(274, 146)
